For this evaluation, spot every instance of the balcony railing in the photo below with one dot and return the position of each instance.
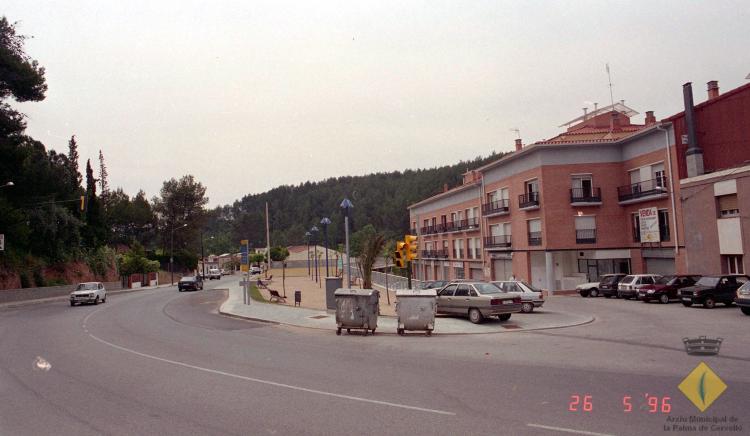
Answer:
(496, 207)
(467, 224)
(458, 254)
(535, 238)
(429, 230)
(647, 188)
(434, 254)
(530, 199)
(498, 241)
(586, 236)
(585, 195)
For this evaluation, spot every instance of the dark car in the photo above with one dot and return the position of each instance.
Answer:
(435, 284)
(743, 298)
(666, 288)
(190, 283)
(608, 284)
(710, 290)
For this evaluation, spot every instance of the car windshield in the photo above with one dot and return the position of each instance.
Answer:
(187, 279)
(666, 280)
(607, 280)
(87, 287)
(528, 288)
(487, 288)
(708, 281)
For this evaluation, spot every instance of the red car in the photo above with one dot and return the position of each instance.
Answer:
(666, 288)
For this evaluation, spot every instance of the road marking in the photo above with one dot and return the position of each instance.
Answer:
(272, 383)
(568, 430)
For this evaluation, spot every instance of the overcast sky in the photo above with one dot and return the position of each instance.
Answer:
(248, 95)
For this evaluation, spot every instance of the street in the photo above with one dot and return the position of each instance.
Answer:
(163, 362)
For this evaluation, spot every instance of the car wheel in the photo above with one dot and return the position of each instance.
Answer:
(618, 295)
(664, 299)
(527, 307)
(475, 316)
(594, 293)
(607, 296)
(583, 293)
(73, 304)
(96, 301)
(745, 310)
(338, 331)
(687, 303)
(709, 303)
(504, 317)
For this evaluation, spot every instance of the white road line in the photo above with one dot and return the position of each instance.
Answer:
(568, 430)
(272, 383)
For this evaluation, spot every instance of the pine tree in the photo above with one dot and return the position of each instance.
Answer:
(94, 233)
(103, 184)
(75, 175)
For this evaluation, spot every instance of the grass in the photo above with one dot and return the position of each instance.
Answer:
(256, 295)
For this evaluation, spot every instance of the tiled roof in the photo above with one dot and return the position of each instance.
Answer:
(593, 134)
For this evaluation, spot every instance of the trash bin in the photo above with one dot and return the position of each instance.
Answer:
(357, 309)
(416, 310)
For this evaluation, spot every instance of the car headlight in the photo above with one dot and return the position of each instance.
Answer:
(650, 291)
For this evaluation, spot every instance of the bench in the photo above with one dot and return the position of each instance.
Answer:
(275, 297)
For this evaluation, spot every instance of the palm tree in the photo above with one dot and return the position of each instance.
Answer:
(371, 249)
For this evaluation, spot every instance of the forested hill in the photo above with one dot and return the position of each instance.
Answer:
(379, 199)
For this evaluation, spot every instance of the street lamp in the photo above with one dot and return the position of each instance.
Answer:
(325, 222)
(203, 256)
(346, 205)
(307, 239)
(171, 252)
(314, 230)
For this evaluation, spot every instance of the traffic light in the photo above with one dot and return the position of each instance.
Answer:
(412, 247)
(399, 256)
(83, 202)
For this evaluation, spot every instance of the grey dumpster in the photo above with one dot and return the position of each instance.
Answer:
(416, 310)
(356, 309)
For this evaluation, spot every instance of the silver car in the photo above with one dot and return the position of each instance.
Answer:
(89, 292)
(629, 286)
(477, 300)
(531, 297)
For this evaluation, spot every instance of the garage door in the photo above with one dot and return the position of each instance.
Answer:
(503, 269)
(660, 266)
(477, 274)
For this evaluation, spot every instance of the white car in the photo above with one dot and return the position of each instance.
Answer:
(89, 292)
(531, 297)
(590, 289)
(255, 270)
(214, 273)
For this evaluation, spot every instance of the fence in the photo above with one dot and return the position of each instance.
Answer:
(394, 282)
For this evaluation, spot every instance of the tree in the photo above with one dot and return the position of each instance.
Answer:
(181, 202)
(279, 254)
(372, 247)
(135, 262)
(359, 238)
(73, 161)
(95, 232)
(257, 258)
(103, 183)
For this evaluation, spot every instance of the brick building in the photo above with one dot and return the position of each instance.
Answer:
(598, 198)
(713, 144)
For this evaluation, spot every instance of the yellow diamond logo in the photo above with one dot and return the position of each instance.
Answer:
(702, 386)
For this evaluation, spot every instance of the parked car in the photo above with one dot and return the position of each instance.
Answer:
(531, 297)
(214, 273)
(629, 285)
(666, 288)
(608, 285)
(435, 284)
(88, 292)
(255, 270)
(477, 300)
(743, 298)
(190, 283)
(710, 290)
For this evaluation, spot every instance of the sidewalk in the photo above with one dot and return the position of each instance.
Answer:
(320, 319)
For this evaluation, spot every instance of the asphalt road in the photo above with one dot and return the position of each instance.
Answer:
(163, 362)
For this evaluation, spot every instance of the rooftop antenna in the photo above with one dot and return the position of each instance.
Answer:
(611, 95)
(517, 130)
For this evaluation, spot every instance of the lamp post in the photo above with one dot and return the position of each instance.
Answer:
(171, 252)
(314, 230)
(346, 205)
(203, 257)
(307, 239)
(325, 222)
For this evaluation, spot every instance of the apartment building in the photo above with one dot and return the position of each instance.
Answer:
(713, 144)
(598, 198)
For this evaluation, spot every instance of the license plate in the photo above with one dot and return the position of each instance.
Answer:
(507, 301)
(685, 299)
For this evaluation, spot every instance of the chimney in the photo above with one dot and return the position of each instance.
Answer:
(596, 107)
(445, 187)
(650, 118)
(694, 153)
(519, 144)
(713, 89)
(585, 113)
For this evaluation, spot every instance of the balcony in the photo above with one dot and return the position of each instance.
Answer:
(458, 254)
(643, 191)
(429, 230)
(497, 242)
(528, 201)
(499, 207)
(535, 238)
(585, 196)
(434, 254)
(586, 236)
(468, 224)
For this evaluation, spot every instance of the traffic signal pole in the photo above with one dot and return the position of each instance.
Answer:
(408, 274)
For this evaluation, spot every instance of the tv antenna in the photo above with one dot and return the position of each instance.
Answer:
(611, 95)
(517, 130)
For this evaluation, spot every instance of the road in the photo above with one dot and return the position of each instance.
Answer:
(163, 362)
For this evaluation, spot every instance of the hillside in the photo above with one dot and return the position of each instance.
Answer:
(379, 199)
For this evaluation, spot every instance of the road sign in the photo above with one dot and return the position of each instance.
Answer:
(2, 242)
(244, 262)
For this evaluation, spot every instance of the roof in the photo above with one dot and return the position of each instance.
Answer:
(593, 134)
(619, 107)
(296, 248)
(446, 193)
(721, 97)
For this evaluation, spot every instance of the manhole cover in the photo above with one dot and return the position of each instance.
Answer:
(319, 316)
(511, 326)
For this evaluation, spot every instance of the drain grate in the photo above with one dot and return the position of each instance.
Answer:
(319, 316)
(511, 326)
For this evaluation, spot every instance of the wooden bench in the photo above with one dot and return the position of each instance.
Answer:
(275, 297)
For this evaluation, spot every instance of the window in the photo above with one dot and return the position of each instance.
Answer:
(459, 272)
(657, 174)
(475, 212)
(493, 197)
(458, 248)
(535, 232)
(727, 206)
(636, 228)
(531, 186)
(582, 186)
(477, 248)
(427, 223)
(585, 229)
(663, 225)
(462, 291)
(504, 194)
(469, 213)
(495, 230)
(535, 225)
(448, 291)
(470, 251)
(434, 221)
(732, 264)
(445, 247)
(453, 217)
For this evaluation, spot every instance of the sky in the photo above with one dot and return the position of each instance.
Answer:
(249, 95)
